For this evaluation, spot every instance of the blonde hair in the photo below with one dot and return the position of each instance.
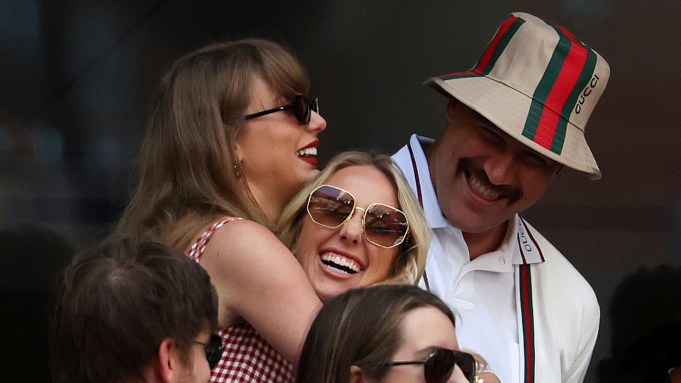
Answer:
(188, 173)
(410, 263)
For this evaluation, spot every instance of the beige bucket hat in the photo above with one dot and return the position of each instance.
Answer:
(539, 84)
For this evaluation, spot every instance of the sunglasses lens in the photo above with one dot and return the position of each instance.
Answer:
(301, 109)
(385, 226)
(213, 351)
(329, 206)
(466, 363)
(439, 366)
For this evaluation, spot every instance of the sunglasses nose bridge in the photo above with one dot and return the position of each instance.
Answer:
(353, 226)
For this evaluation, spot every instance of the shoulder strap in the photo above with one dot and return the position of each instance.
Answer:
(198, 247)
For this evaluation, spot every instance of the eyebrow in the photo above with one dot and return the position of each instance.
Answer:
(480, 119)
(428, 350)
(485, 123)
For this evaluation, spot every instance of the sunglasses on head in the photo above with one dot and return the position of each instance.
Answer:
(331, 206)
(439, 364)
(301, 106)
(213, 350)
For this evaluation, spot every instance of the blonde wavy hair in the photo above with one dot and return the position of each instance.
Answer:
(411, 260)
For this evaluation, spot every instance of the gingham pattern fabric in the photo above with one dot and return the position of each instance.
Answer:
(247, 357)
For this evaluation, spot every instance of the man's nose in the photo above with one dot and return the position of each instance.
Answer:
(500, 168)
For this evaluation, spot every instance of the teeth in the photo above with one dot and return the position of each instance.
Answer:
(484, 190)
(308, 152)
(342, 264)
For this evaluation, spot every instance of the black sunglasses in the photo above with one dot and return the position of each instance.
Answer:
(213, 350)
(301, 105)
(439, 364)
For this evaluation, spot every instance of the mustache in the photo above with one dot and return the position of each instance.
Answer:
(509, 193)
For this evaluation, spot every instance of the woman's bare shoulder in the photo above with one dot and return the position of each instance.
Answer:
(243, 241)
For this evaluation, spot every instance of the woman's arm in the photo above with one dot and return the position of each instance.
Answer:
(258, 279)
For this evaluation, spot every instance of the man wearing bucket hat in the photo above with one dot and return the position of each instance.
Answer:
(513, 121)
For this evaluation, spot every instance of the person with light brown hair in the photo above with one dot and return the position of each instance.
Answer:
(232, 137)
(386, 333)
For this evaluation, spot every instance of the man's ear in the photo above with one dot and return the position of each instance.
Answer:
(452, 104)
(167, 362)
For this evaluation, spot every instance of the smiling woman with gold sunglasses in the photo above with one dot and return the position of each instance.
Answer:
(356, 224)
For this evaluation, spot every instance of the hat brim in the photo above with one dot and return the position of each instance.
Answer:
(508, 109)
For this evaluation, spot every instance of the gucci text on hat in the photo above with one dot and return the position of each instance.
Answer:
(539, 84)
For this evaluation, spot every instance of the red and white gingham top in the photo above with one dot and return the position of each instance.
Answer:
(247, 357)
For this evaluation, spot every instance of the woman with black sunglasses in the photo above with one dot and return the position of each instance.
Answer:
(231, 138)
(386, 333)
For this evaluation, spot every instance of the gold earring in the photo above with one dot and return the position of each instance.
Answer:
(237, 173)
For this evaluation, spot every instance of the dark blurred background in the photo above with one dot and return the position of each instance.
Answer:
(76, 78)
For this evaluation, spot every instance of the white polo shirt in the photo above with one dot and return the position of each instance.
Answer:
(485, 294)
(480, 292)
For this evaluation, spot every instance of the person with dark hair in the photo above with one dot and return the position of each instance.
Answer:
(513, 121)
(231, 138)
(128, 310)
(385, 333)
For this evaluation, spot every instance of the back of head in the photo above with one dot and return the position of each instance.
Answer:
(187, 155)
(116, 303)
(360, 327)
(410, 263)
